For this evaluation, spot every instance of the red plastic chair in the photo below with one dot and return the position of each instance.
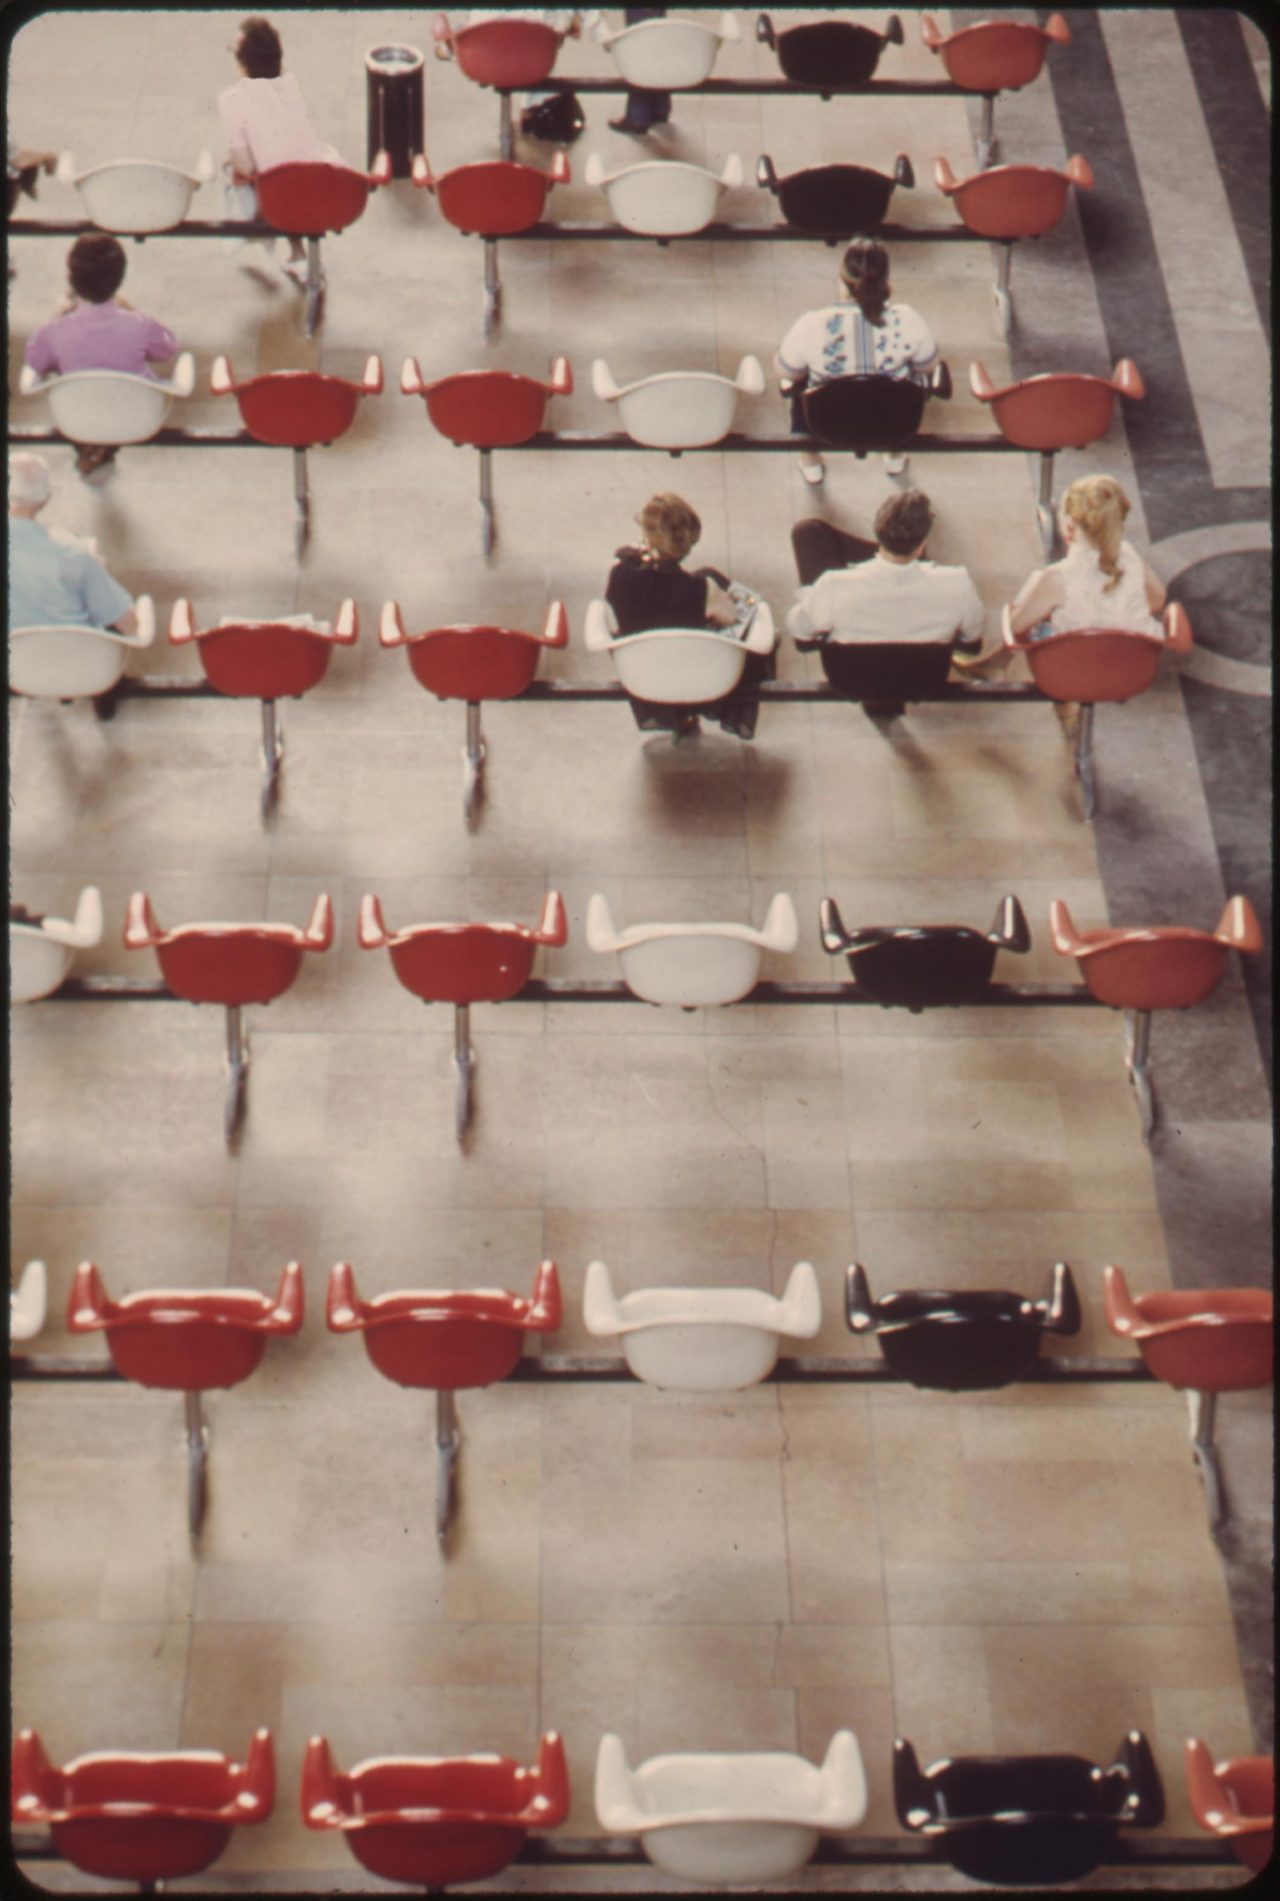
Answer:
(494, 198)
(433, 1821)
(297, 409)
(143, 1818)
(445, 1341)
(1234, 1800)
(265, 660)
(463, 964)
(230, 964)
(187, 1342)
(1166, 967)
(1048, 413)
(510, 54)
(1007, 203)
(994, 56)
(1204, 1341)
(306, 199)
(485, 410)
(1091, 665)
(474, 663)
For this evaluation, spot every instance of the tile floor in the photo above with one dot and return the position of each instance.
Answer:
(1025, 1571)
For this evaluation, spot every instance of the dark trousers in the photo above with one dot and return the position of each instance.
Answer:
(819, 545)
(737, 712)
(646, 108)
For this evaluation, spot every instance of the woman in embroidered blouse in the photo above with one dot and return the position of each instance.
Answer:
(1101, 581)
(867, 335)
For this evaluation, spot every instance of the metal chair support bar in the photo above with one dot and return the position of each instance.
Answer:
(735, 443)
(189, 228)
(24, 435)
(721, 233)
(772, 89)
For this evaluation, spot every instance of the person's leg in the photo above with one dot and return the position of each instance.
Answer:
(643, 109)
(819, 545)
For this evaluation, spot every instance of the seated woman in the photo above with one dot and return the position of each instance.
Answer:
(1101, 581)
(648, 588)
(868, 335)
(266, 123)
(97, 330)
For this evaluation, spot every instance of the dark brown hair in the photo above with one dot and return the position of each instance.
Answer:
(96, 266)
(259, 50)
(904, 521)
(864, 272)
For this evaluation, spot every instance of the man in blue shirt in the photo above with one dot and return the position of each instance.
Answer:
(54, 582)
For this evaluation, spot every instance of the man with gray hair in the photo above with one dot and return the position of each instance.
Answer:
(54, 581)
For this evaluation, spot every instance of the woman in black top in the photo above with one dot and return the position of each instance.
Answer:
(649, 588)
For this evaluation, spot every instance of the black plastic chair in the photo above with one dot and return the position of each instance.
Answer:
(869, 414)
(920, 965)
(1037, 1819)
(961, 1342)
(829, 53)
(834, 201)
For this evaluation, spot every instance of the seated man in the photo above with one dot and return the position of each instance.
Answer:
(52, 581)
(96, 330)
(855, 590)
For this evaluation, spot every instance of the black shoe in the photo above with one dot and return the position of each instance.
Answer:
(623, 125)
(883, 710)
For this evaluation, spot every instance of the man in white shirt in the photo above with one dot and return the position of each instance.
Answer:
(888, 593)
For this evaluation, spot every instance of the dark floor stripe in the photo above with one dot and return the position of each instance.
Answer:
(1240, 129)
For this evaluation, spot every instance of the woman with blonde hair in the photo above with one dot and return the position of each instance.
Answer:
(1101, 581)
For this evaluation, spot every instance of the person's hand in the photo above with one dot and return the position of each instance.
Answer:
(67, 305)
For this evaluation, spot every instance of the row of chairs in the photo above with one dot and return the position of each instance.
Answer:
(680, 1339)
(708, 1817)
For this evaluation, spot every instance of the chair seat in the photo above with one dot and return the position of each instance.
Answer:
(37, 965)
(668, 55)
(702, 1339)
(886, 670)
(230, 964)
(186, 1340)
(1209, 1340)
(107, 407)
(308, 198)
(870, 414)
(831, 53)
(446, 1340)
(465, 963)
(137, 195)
(835, 201)
(958, 1343)
(1012, 201)
(663, 197)
(693, 965)
(678, 409)
(507, 53)
(995, 55)
(65, 663)
(493, 197)
(474, 663)
(679, 666)
(922, 968)
(297, 409)
(263, 660)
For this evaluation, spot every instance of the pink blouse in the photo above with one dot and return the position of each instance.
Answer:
(268, 119)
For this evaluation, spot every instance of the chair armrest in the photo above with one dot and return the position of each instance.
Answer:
(1238, 926)
(343, 1308)
(750, 377)
(732, 175)
(29, 1302)
(380, 170)
(791, 385)
(371, 381)
(595, 172)
(893, 31)
(980, 383)
(1177, 628)
(391, 631)
(844, 1781)
(1056, 28)
(616, 1811)
(904, 172)
(221, 380)
(912, 1797)
(766, 176)
(373, 932)
(65, 170)
(831, 926)
(940, 384)
(420, 173)
(555, 632)
(800, 1309)
(1017, 643)
(30, 382)
(1060, 1309)
(599, 628)
(321, 1797)
(859, 1308)
(929, 33)
(550, 1805)
(1123, 1316)
(88, 1309)
(85, 929)
(601, 935)
(559, 173)
(1080, 172)
(781, 930)
(442, 34)
(411, 383)
(1009, 928)
(553, 926)
(943, 177)
(1066, 939)
(1135, 1769)
(762, 636)
(347, 630)
(599, 1302)
(561, 383)
(145, 609)
(256, 1784)
(140, 928)
(764, 30)
(546, 1309)
(183, 380)
(1126, 379)
(206, 169)
(319, 932)
(181, 623)
(602, 382)
(286, 1315)
(728, 28)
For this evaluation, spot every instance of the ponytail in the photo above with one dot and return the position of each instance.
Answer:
(1098, 506)
(864, 272)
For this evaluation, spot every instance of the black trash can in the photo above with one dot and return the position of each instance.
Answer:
(394, 80)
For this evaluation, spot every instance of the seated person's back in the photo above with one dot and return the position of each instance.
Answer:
(52, 582)
(1101, 581)
(99, 331)
(648, 587)
(894, 595)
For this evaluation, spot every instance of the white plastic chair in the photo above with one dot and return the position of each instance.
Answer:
(40, 955)
(136, 194)
(666, 55)
(702, 1339)
(693, 965)
(109, 406)
(29, 1302)
(739, 1817)
(678, 409)
(664, 198)
(677, 666)
(75, 663)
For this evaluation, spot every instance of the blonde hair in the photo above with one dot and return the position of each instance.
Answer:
(1098, 505)
(670, 525)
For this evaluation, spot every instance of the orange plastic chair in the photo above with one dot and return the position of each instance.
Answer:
(1007, 203)
(265, 660)
(474, 663)
(188, 1342)
(486, 410)
(994, 56)
(1234, 1800)
(1203, 1341)
(143, 1818)
(445, 1341)
(306, 198)
(463, 964)
(1165, 967)
(1090, 665)
(230, 964)
(433, 1821)
(1061, 411)
(494, 198)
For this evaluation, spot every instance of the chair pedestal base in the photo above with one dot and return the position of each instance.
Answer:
(473, 756)
(492, 287)
(1084, 762)
(1004, 303)
(464, 1058)
(486, 502)
(506, 135)
(315, 286)
(1044, 503)
(987, 145)
(197, 1466)
(302, 503)
(1203, 1408)
(448, 1444)
(1137, 1057)
(272, 756)
(237, 1075)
